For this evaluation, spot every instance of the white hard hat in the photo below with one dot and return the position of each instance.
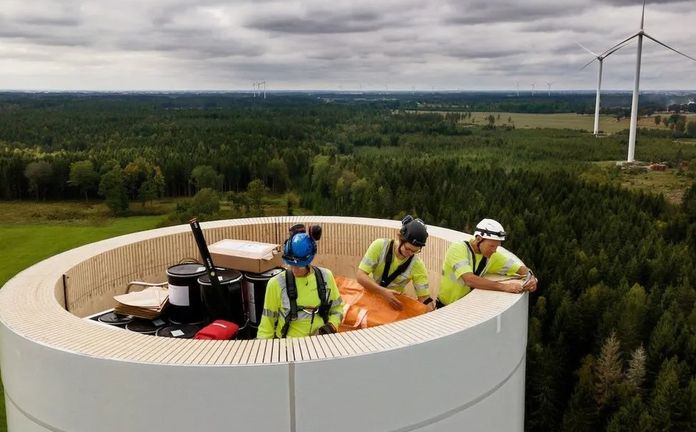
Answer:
(490, 229)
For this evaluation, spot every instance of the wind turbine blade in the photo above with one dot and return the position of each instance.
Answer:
(612, 51)
(581, 46)
(668, 47)
(642, 16)
(620, 44)
(588, 63)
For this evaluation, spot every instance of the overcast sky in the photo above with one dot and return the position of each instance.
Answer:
(324, 44)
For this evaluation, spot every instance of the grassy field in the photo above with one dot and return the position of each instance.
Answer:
(31, 232)
(607, 124)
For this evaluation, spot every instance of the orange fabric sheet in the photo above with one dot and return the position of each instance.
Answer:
(366, 309)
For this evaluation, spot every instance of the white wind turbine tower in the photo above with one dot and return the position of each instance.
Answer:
(600, 58)
(634, 104)
(264, 88)
(518, 88)
(533, 85)
(548, 87)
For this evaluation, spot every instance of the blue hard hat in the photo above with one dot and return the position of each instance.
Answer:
(299, 250)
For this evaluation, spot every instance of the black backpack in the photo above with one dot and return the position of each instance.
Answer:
(291, 287)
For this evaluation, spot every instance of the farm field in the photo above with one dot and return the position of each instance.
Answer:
(607, 124)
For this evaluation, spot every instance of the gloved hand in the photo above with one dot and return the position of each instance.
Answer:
(327, 328)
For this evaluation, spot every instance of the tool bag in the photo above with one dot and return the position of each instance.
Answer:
(363, 308)
(218, 330)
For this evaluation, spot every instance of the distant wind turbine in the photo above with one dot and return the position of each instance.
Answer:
(518, 88)
(548, 87)
(533, 85)
(634, 104)
(600, 58)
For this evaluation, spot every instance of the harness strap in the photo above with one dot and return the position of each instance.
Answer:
(324, 305)
(482, 265)
(389, 278)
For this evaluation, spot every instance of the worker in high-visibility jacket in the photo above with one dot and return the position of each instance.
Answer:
(404, 264)
(467, 262)
(306, 314)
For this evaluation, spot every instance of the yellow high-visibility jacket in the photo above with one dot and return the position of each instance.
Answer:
(276, 306)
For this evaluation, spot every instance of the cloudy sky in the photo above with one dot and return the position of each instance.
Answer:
(322, 44)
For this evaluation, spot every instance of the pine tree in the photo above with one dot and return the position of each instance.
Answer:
(635, 374)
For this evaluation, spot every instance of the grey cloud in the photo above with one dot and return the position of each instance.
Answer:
(41, 37)
(637, 3)
(319, 22)
(497, 11)
(65, 21)
(194, 44)
(465, 52)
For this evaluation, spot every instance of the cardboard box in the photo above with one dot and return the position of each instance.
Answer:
(244, 255)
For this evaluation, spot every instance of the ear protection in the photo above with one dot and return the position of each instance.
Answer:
(405, 221)
(314, 233)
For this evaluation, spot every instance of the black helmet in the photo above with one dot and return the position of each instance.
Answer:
(413, 231)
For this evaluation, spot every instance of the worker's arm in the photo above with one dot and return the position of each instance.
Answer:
(473, 281)
(530, 283)
(369, 284)
(271, 311)
(419, 278)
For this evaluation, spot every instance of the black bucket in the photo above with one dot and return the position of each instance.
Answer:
(146, 326)
(185, 306)
(182, 331)
(226, 303)
(112, 318)
(255, 292)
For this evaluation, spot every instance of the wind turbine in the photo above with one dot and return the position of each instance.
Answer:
(600, 58)
(548, 87)
(634, 103)
(518, 88)
(533, 85)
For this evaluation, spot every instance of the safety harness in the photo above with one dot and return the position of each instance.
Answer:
(324, 306)
(389, 278)
(482, 265)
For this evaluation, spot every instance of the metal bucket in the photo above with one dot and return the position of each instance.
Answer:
(112, 318)
(183, 331)
(185, 305)
(227, 302)
(254, 294)
(145, 326)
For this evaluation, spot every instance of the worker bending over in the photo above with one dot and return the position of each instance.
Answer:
(388, 265)
(467, 262)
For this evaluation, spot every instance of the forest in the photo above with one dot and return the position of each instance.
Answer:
(612, 327)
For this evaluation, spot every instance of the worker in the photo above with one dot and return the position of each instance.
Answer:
(304, 299)
(401, 259)
(466, 262)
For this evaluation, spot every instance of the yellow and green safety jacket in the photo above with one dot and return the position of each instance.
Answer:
(373, 264)
(276, 306)
(459, 260)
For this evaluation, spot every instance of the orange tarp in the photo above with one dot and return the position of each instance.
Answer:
(363, 308)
